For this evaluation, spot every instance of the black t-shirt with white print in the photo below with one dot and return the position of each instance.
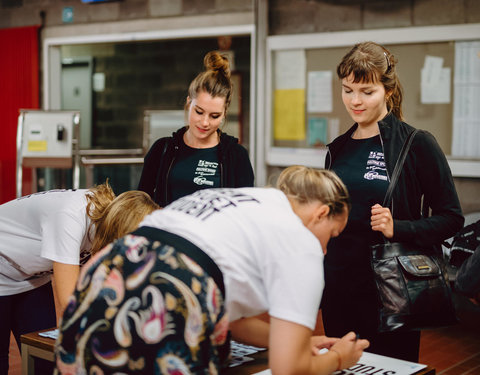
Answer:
(194, 169)
(363, 171)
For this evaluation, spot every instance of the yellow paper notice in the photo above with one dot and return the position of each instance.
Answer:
(289, 115)
(37, 146)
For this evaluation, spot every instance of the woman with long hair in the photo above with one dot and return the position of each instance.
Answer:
(364, 158)
(45, 237)
(199, 155)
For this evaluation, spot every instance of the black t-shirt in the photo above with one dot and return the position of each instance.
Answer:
(194, 169)
(361, 166)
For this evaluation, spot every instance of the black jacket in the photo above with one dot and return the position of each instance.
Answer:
(426, 174)
(235, 167)
(467, 280)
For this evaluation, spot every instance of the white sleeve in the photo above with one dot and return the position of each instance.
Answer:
(62, 236)
(294, 280)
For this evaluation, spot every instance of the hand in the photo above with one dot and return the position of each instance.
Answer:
(476, 299)
(381, 220)
(349, 349)
(322, 342)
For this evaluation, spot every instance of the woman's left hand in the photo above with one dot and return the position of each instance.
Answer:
(382, 221)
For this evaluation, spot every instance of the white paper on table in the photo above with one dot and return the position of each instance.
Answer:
(53, 334)
(395, 366)
(376, 364)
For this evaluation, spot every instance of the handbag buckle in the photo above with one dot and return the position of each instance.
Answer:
(423, 267)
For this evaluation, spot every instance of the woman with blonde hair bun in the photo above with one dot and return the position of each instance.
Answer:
(164, 298)
(45, 237)
(199, 155)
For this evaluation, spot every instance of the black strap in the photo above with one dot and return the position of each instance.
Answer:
(398, 168)
(186, 247)
(158, 181)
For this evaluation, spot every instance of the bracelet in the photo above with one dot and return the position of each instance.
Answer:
(339, 359)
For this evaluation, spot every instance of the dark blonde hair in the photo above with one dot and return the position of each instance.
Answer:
(370, 62)
(215, 80)
(307, 185)
(113, 217)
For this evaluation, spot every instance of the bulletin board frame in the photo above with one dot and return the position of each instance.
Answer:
(410, 36)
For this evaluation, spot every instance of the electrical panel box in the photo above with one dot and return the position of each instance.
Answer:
(48, 139)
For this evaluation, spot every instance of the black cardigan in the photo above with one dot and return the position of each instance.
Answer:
(426, 173)
(235, 167)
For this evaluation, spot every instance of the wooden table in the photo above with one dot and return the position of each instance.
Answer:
(34, 345)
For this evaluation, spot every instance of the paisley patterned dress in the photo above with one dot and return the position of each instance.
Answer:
(143, 306)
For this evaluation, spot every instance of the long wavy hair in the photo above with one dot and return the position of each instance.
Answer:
(113, 217)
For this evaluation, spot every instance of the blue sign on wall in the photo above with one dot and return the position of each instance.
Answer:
(67, 15)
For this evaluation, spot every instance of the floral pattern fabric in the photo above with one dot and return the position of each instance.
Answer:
(143, 307)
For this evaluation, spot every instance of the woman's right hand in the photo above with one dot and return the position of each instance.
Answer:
(349, 349)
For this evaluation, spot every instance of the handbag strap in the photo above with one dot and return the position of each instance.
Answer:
(398, 168)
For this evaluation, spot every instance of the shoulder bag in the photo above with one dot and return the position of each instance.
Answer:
(412, 282)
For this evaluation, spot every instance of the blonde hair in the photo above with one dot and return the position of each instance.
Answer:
(307, 185)
(113, 217)
(215, 80)
(370, 62)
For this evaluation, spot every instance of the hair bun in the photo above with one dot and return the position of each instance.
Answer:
(217, 62)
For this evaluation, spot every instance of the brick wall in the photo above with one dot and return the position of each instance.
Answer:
(312, 16)
(149, 75)
(14, 13)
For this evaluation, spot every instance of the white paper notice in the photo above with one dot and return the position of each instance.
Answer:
(290, 69)
(319, 95)
(466, 103)
(435, 81)
(437, 91)
(432, 67)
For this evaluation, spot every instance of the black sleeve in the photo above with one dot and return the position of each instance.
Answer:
(151, 166)
(467, 281)
(244, 176)
(437, 185)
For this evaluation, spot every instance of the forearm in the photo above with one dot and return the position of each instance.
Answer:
(291, 352)
(64, 280)
(287, 361)
(251, 331)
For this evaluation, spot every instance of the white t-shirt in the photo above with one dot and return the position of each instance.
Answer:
(270, 261)
(36, 230)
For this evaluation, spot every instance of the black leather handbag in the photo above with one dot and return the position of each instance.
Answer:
(412, 282)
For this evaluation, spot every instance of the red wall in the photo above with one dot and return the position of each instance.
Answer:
(19, 89)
